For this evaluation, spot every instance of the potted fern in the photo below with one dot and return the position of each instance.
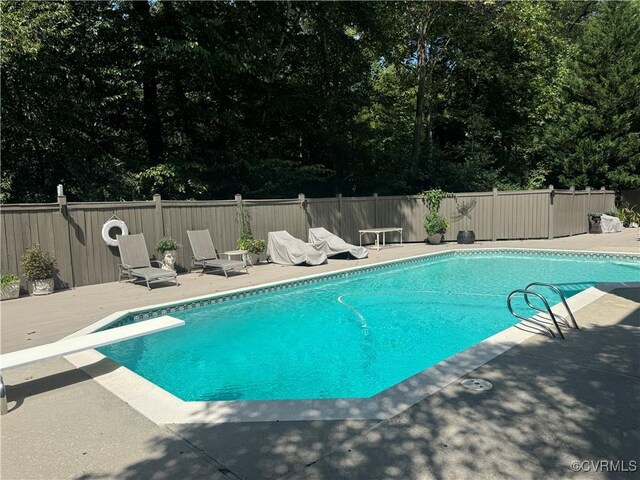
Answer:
(167, 248)
(10, 286)
(39, 266)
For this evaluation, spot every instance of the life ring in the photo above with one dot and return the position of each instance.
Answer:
(113, 224)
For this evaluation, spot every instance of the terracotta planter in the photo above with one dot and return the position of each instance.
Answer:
(10, 291)
(435, 239)
(40, 287)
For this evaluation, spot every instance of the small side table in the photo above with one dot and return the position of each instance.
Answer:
(246, 258)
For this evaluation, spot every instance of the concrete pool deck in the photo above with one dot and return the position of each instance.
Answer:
(552, 402)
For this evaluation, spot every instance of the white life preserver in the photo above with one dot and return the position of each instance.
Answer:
(106, 229)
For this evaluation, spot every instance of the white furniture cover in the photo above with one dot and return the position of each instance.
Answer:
(284, 248)
(610, 224)
(332, 244)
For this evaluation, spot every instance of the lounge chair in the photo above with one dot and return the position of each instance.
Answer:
(332, 244)
(135, 261)
(285, 249)
(205, 256)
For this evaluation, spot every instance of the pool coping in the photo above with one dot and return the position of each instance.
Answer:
(162, 407)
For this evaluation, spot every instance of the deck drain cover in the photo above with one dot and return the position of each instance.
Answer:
(476, 384)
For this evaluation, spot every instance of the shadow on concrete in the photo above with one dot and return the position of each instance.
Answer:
(17, 393)
(552, 403)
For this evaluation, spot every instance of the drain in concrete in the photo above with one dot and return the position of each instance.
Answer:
(476, 384)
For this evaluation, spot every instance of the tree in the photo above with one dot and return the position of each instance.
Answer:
(595, 139)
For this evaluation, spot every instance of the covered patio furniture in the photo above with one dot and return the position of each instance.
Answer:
(135, 262)
(205, 256)
(285, 249)
(332, 244)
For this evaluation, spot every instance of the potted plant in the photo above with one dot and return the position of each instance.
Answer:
(435, 225)
(39, 267)
(594, 222)
(167, 248)
(10, 286)
(246, 241)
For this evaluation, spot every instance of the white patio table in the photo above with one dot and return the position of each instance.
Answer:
(382, 231)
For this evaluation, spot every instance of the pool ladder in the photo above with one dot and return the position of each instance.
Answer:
(526, 292)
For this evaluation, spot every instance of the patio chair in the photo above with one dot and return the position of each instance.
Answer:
(136, 263)
(205, 256)
(285, 249)
(332, 244)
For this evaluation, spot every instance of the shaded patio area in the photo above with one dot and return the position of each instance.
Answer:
(552, 402)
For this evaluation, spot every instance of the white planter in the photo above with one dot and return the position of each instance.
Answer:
(169, 260)
(40, 287)
(10, 291)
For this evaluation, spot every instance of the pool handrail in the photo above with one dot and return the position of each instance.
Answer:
(531, 319)
(562, 298)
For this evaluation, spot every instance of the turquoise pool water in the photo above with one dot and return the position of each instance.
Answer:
(353, 336)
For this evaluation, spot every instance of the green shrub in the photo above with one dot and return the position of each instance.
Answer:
(37, 264)
(246, 240)
(167, 244)
(7, 279)
(434, 224)
(253, 245)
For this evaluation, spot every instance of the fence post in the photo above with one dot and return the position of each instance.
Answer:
(551, 215)
(303, 207)
(340, 232)
(375, 210)
(238, 199)
(494, 215)
(157, 200)
(64, 219)
(604, 199)
(572, 189)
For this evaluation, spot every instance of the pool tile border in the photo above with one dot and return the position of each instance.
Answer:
(147, 313)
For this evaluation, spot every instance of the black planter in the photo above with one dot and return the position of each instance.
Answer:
(594, 224)
(466, 236)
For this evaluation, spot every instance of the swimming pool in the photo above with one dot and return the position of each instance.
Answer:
(349, 334)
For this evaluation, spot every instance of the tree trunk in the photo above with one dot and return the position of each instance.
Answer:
(153, 125)
(278, 61)
(418, 126)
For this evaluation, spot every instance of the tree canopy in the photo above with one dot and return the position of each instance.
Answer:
(119, 100)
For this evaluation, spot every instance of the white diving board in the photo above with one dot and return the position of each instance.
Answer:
(68, 346)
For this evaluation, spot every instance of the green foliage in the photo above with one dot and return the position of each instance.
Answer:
(251, 244)
(433, 198)
(37, 264)
(120, 100)
(7, 279)
(627, 214)
(434, 223)
(246, 240)
(167, 244)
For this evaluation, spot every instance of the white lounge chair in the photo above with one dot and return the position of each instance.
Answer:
(332, 244)
(136, 263)
(285, 249)
(205, 256)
